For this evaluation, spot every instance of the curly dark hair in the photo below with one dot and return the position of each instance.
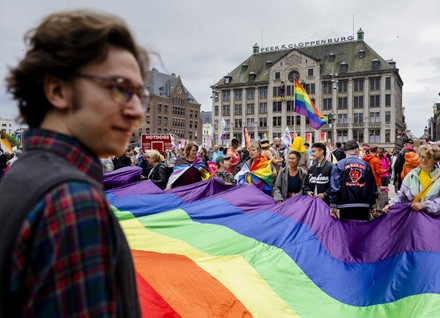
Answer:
(62, 44)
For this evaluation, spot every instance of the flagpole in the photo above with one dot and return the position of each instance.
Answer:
(294, 106)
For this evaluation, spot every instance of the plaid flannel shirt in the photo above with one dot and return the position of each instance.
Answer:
(63, 260)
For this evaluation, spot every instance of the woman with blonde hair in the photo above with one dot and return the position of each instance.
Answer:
(257, 170)
(421, 187)
(158, 172)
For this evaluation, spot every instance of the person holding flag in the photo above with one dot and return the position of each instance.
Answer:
(257, 170)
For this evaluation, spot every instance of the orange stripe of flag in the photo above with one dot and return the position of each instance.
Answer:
(186, 287)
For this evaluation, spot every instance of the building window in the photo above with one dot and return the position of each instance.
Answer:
(263, 122)
(147, 119)
(250, 122)
(276, 107)
(216, 110)
(310, 88)
(358, 102)
(276, 121)
(387, 83)
(358, 85)
(343, 86)
(374, 101)
(277, 75)
(159, 120)
(342, 103)
(262, 92)
(387, 135)
(327, 104)
(290, 105)
(238, 123)
(375, 84)
(250, 93)
(342, 118)
(310, 72)
(191, 124)
(250, 109)
(327, 87)
(159, 130)
(238, 94)
(226, 111)
(387, 100)
(159, 108)
(374, 136)
(263, 108)
(226, 95)
(196, 113)
(358, 117)
(165, 109)
(374, 117)
(190, 113)
(291, 120)
(237, 109)
(358, 135)
(342, 135)
(387, 117)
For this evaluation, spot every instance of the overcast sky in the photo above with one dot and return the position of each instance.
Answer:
(203, 40)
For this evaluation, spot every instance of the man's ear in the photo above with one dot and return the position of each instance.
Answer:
(57, 92)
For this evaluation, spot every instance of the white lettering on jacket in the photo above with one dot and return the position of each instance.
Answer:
(320, 179)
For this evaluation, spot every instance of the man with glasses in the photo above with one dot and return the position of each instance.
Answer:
(80, 88)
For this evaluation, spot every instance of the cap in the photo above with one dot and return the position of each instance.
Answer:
(220, 158)
(350, 145)
(409, 141)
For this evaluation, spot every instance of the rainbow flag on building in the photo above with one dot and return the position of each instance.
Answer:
(305, 107)
(211, 250)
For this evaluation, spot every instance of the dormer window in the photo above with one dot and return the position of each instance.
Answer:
(361, 54)
(244, 67)
(227, 79)
(375, 64)
(343, 67)
(252, 76)
(331, 57)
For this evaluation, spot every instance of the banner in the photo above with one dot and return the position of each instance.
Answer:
(322, 136)
(308, 137)
(247, 138)
(286, 139)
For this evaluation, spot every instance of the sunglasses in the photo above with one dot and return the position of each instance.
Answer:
(122, 90)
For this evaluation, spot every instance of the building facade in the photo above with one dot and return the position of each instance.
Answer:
(346, 79)
(6, 125)
(207, 138)
(171, 110)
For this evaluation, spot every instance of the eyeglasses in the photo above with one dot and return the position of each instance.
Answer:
(122, 90)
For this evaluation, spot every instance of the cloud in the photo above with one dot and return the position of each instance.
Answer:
(202, 41)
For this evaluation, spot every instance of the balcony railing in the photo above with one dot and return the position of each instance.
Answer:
(356, 125)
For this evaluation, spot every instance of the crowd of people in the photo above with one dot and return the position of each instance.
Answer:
(352, 179)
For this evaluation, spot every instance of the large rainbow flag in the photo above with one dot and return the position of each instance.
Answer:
(210, 250)
(305, 107)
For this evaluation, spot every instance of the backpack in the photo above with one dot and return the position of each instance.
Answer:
(412, 161)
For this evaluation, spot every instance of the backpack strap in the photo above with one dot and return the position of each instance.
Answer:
(419, 195)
